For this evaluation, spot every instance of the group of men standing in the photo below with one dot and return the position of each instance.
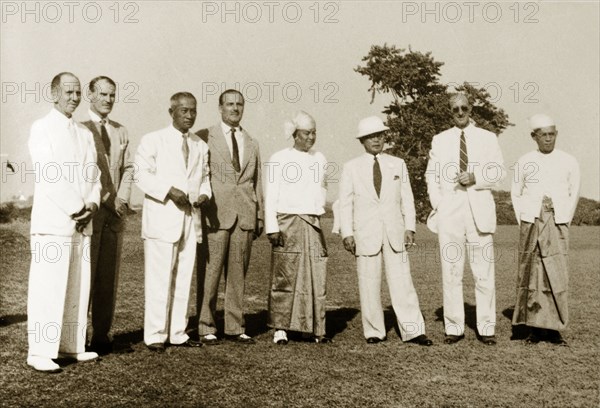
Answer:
(204, 196)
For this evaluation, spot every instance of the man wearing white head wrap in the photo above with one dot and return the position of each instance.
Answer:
(545, 192)
(295, 190)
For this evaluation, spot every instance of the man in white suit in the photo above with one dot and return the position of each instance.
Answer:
(112, 145)
(377, 219)
(173, 173)
(465, 162)
(67, 194)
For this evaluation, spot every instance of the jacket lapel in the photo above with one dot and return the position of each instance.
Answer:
(367, 176)
(247, 150)
(218, 144)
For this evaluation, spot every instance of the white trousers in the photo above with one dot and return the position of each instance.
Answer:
(402, 293)
(169, 267)
(459, 239)
(59, 290)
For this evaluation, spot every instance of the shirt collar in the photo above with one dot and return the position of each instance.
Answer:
(61, 118)
(178, 132)
(95, 117)
(226, 128)
(371, 157)
(469, 127)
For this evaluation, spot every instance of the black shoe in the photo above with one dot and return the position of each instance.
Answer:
(451, 338)
(421, 340)
(101, 348)
(242, 339)
(375, 340)
(322, 340)
(156, 347)
(488, 340)
(210, 340)
(188, 343)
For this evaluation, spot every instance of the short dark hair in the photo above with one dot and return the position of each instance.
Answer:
(101, 78)
(179, 95)
(55, 84)
(230, 91)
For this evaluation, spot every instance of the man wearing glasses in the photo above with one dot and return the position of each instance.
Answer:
(377, 220)
(465, 162)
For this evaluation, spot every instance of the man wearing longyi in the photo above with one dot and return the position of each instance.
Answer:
(173, 173)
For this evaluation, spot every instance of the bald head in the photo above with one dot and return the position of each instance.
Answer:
(66, 92)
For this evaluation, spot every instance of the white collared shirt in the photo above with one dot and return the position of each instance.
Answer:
(96, 119)
(239, 138)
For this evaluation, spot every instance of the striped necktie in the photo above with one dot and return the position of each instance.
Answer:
(464, 158)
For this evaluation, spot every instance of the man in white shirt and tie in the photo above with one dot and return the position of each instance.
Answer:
(112, 142)
(173, 173)
(465, 162)
(545, 192)
(66, 197)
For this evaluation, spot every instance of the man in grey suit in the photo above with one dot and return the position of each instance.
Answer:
(112, 142)
(233, 217)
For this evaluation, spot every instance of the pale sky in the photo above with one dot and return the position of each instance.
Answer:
(533, 57)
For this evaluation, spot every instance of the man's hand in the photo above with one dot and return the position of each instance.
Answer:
(83, 219)
(349, 244)
(276, 239)
(259, 229)
(409, 239)
(201, 202)
(179, 198)
(465, 179)
(121, 207)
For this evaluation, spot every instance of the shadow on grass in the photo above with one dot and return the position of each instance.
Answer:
(12, 319)
(336, 321)
(519, 332)
(132, 337)
(470, 316)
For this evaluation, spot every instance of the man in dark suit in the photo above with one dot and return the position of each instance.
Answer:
(112, 144)
(233, 217)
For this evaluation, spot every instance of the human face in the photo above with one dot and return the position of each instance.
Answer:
(68, 95)
(232, 109)
(461, 111)
(183, 114)
(102, 98)
(545, 138)
(304, 139)
(373, 143)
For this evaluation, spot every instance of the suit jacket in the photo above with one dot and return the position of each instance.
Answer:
(160, 165)
(67, 176)
(116, 171)
(366, 216)
(485, 162)
(236, 196)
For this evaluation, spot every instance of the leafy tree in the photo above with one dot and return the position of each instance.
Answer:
(419, 109)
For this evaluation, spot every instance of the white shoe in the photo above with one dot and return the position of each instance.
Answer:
(43, 364)
(80, 357)
(280, 337)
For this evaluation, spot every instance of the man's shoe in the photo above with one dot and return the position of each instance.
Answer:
(43, 364)
(80, 357)
(451, 338)
(156, 347)
(102, 348)
(280, 337)
(188, 343)
(242, 339)
(421, 340)
(375, 340)
(322, 339)
(488, 340)
(210, 340)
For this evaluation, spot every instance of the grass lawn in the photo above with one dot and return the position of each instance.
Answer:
(347, 373)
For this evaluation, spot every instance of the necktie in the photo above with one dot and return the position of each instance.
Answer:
(376, 176)
(235, 154)
(464, 158)
(185, 148)
(104, 136)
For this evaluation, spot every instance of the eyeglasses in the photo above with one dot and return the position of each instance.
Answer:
(457, 109)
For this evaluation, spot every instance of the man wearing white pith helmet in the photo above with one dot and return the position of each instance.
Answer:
(545, 192)
(377, 220)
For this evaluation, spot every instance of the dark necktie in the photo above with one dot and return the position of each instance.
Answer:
(376, 176)
(464, 158)
(185, 149)
(104, 136)
(235, 154)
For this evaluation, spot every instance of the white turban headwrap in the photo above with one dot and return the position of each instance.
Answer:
(301, 120)
(540, 121)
